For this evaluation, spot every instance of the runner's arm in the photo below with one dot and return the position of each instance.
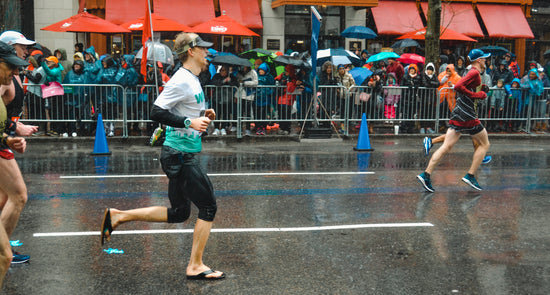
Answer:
(166, 117)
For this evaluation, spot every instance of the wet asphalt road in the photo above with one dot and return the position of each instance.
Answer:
(288, 197)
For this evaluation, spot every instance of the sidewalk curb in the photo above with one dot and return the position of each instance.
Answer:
(267, 138)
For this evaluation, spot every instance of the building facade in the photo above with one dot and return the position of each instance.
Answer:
(284, 25)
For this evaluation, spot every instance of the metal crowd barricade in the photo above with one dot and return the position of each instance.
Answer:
(263, 110)
(502, 112)
(139, 102)
(412, 108)
(222, 100)
(332, 105)
(408, 107)
(79, 105)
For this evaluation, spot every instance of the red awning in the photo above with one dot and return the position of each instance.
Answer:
(356, 3)
(505, 21)
(459, 17)
(396, 17)
(121, 11)
(445, 34)
(243, 11)
(187, 12)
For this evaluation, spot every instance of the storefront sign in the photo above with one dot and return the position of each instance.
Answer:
(273, 44)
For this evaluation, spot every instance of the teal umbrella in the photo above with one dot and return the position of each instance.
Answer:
(382, 56)
(495, 50)
(359, 32)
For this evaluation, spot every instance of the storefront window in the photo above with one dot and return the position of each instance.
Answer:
(298, 27)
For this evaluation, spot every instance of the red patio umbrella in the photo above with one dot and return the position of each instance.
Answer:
(85, 23)
(222, 25)
(160, 24)
(411, 58)
(446, 34)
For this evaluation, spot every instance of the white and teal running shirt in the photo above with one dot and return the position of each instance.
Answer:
(183, 96)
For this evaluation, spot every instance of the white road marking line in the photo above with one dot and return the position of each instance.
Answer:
(239, 230)
(219, 174)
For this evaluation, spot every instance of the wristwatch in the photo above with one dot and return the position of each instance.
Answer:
(187, 122)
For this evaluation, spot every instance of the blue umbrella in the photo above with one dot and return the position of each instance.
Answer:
(382, 56)
(360, 74)
(359, 32)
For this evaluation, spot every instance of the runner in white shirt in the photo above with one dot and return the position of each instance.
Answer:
(181, 107)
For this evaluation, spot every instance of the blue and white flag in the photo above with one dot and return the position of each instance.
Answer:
(315, 29)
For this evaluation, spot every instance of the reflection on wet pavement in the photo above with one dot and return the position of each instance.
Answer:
(491, 242)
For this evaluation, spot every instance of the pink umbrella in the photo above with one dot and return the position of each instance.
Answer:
(411, 58)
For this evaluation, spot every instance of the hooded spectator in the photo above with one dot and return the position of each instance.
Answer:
(503, 73)
(413, 80)
(534, 97)
(61, 55)
(78, 56)
(328, 74)
(460, 66)
(248, 80)
(448, 79)
(263, 98)
(429, 79)
(127, 75)
(53, 69)
(392, 95)
(92, 65)
(76, 98)
(110, 96)
(443, 62)
(221, 98)
(428, 102)
(512, 64)
(257, 63)
(286, 99)
(395, 67)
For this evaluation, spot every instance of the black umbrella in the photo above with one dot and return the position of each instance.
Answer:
(405, 43)
(494, 50)
(547, 53)
(292, 60)
(230, 60)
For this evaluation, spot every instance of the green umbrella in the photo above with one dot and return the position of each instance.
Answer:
(264, 55)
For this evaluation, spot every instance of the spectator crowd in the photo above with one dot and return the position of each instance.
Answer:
(269, 99)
